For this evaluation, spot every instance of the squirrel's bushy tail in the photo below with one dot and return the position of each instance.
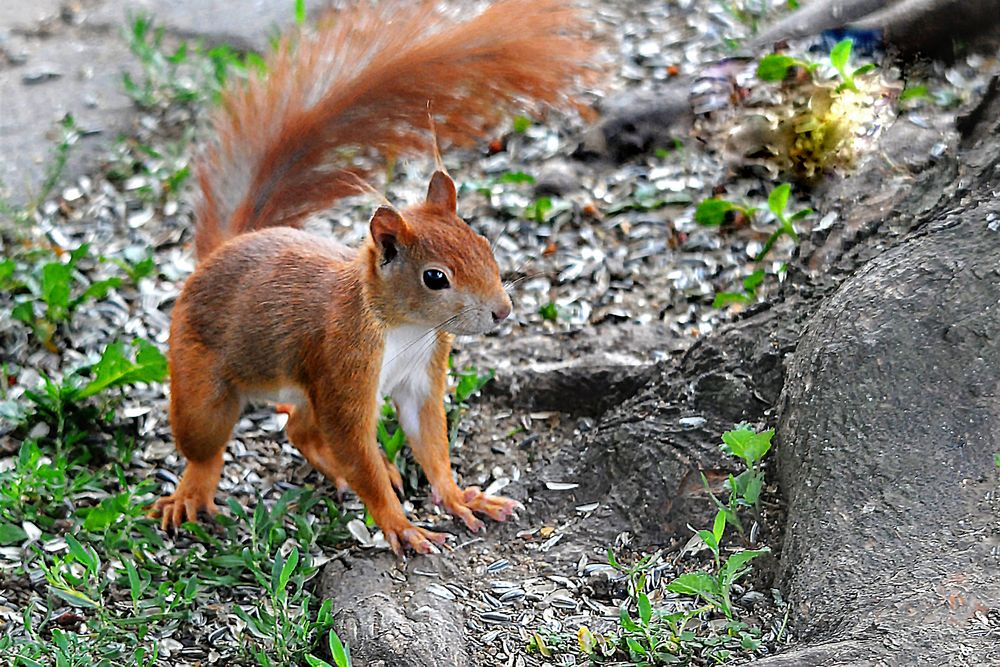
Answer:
(364, 79)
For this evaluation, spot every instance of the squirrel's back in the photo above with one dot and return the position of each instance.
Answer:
(364, 80)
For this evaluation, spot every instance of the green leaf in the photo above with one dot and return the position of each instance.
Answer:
(733, 568)
(777, 201)
(115, 369)
(798, 215)
(696, 583)
(712, 212)
(747, 486)
(626, 621)
(645, 609)
(99, 518)
(11, 533)
(80, 552)
(340, 652)
(74, 598)
(635, 646)
(55, 285)
(24, 311)
(539, 209)
(7, 268)
(549, 312)
(300, 11)
(516, 177)
(313, 661)
(288, 568)
(914, 92)
(719, 526)
(470, 381)
(864, 69)
(753, 281)
(774, 67)
(743, 443)
(841, 53)
(723, 299)
(96, 290)
(708, 537)
(521, 124)
(253, 625)
(134, 583)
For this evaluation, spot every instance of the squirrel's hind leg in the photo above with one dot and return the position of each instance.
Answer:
(202, 421)
(303, 432)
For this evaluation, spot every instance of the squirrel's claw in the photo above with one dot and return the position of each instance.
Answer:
(421, 540)
(175, 509)
(463, 504)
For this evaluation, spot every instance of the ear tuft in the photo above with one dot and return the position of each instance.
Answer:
(388, 229)
(441, 192)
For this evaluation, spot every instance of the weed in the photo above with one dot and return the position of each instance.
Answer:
(648, 633)
(521, 124)
(744, 489)
(189, 75)
(840, 56)
(539, 210)
(549, 311)
(488, 186)
(47, 289)
(339, 652)
(913, 93)
(166, 168)
(713, 212)
(715, 587)
(777, 202)
(69, 134)
(62, 405)
(748, 295)
(776, 66)
(647, 197)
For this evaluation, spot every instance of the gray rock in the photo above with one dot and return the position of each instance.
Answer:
(637, 122)
(557, 177)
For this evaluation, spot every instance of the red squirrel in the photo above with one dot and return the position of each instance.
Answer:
(273, 312)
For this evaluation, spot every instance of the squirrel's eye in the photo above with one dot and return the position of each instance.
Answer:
(435, 279)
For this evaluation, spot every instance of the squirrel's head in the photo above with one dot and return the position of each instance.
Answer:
(432, 269)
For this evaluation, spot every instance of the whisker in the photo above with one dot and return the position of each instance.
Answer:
(430, 333)
(510, 284)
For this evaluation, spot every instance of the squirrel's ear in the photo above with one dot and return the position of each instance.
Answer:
(441, 192)
(388, 229)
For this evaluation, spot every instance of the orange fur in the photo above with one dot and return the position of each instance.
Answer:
(272, 309)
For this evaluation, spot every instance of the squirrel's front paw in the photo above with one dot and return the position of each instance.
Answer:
(462, 504)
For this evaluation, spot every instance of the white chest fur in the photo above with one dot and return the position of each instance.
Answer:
(408, 352)
(404, 374)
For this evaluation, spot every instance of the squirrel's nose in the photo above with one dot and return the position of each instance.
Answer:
(502, 313)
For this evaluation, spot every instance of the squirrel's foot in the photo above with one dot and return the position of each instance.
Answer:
(421, 540)
(462, 504)
(183, 504)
